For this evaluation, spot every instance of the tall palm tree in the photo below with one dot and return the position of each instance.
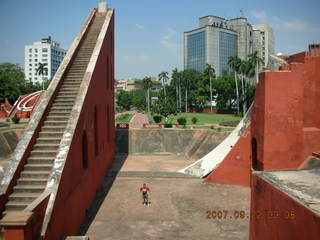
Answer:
(175, 79)
(247, 71)
(256, 61)
(41, 71)
(209, 71)
(163, 76)
(234, 63)
(186, 85)
(147, 84)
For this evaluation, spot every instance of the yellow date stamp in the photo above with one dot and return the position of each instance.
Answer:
(242, 214)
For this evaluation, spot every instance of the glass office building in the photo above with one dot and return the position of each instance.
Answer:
(196, 51)
(227, 49)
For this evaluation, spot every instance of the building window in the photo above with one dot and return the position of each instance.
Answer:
(30, 69)
(30, 73)
(35, 50)
(30, 65)
(196, 51)
(227, 49)
(85, 157)
(44, 55)
(30, 79)
(30, 50)
(30, 55)
(96, 132)
(44, 60)
(44, 49)
(36, 60)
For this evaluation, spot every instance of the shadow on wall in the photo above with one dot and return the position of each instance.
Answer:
(122, 135)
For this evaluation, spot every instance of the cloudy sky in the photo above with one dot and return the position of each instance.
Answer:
(149, 33)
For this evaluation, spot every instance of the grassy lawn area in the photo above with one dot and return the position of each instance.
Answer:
(124, 118)
(203, 118)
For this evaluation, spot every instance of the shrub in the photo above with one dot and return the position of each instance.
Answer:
(194, 120)
(15, 120)
(182, 120)
(168, 125)
(157, 118)
(219, 129)
(211, 127)
(4, 125)
(229, 123)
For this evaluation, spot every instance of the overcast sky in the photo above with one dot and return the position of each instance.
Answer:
(149, 33)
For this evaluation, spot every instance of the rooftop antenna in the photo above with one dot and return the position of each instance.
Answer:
(241, 13)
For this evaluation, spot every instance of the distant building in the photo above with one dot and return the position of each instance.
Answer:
(134, 84)
(217, 39)
(44, 51)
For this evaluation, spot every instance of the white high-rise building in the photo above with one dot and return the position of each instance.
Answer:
(44, 51)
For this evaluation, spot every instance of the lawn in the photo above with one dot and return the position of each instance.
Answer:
(203, 118)
(124, 118)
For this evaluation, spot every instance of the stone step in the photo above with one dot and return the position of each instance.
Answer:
(32, 174)
(54, 113)
(23, 197)
(39, 146)
(67, 94)
(69, 89)
(31, 185)
(63, 105)
(56, 123)
(58, 118)
(37, 167)
(63, 109)
(53, 129)
(41, 160)
(48, 140)
(40, 153)
(65, 97)
(62, 99)
(50, 134)
(15, 206)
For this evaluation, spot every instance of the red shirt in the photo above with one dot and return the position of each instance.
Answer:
(144, 190)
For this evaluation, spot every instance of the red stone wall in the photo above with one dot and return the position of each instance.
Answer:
(78, 186)
(236, 167)
(295, 221)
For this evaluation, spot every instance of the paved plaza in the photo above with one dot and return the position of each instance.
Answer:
(178, 210)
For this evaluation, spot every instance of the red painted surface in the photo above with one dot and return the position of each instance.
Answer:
(236, 167)
(284, 122)
(17, 233)
(265, 199)
(78, 186)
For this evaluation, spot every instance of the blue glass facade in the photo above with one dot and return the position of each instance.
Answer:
(227, 48)
(197, 51)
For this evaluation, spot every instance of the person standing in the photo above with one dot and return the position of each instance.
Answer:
(144, 190)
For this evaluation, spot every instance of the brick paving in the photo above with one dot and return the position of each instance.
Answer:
(137, 120)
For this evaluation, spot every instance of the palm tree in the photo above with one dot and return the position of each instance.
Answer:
(41, 71)
(234, 63)
(246, 69)
(209, 71)
(163, 76)
(186, 84)
(255, 60)
(147, 84)
(175, 78)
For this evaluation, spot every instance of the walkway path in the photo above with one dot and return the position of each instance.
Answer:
(179, 205)
(138, 119)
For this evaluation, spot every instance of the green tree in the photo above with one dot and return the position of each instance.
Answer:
(255, 61)
(209, 72)
(201, 103)
(147, 84)
(234, 62)
(224, 92)
(163, 76)
(42, 70)
(164, 107)
(11, 82)
(124, 99)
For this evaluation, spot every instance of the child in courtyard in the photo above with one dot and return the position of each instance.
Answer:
(144, 190)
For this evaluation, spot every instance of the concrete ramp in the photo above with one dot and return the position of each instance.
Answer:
(213, 159)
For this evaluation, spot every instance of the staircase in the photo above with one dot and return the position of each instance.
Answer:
(33, 178)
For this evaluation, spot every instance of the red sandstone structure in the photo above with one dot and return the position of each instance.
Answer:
(22, 108)
(68, 145)
(278, 154)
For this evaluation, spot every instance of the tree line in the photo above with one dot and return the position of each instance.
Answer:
(193, 89)
(13, 82)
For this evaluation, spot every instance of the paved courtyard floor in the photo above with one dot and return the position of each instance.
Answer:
(178, 210)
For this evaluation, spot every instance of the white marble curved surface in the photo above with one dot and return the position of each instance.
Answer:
(212, 160)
